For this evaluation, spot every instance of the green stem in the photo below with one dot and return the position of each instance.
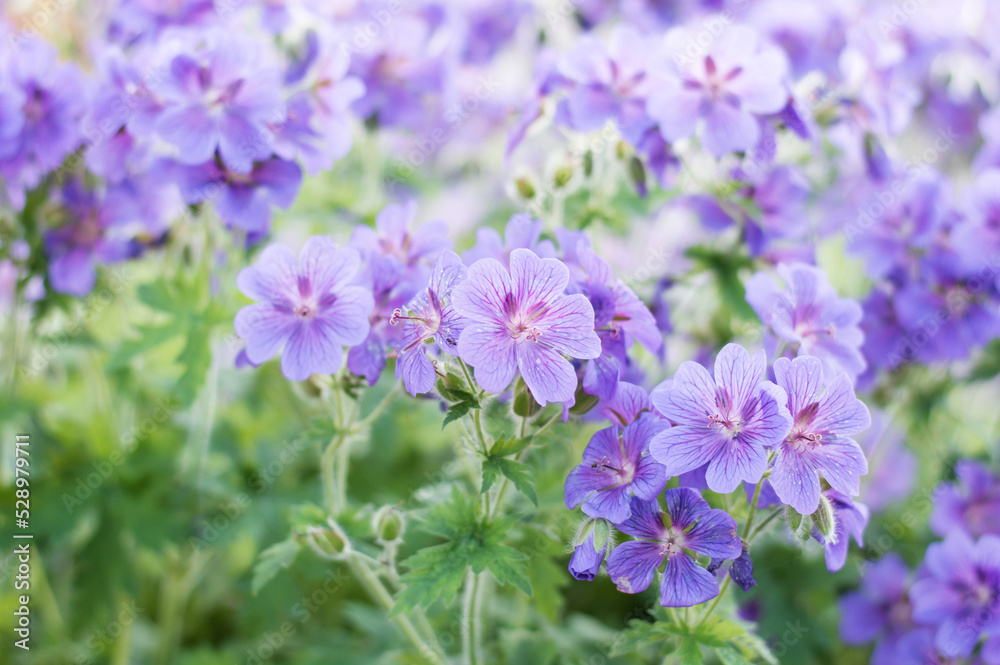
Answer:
(471, 620)
(468, 374)
(746, 532)
(378, 592)
(479, 431)
(378, 410)
(327, 465)
(753, 509)
(767, 520)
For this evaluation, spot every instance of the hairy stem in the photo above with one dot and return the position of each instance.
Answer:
(472, 632)
(377, 591)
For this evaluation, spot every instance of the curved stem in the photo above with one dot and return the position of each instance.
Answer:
(327, 465)
(767, 520)
(378, 592)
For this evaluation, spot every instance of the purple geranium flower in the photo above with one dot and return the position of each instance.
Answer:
(690, 524)
(43, 101)
(390, 283)
(960, 593)
(521, 232)
(308, 306)
(393, 236)
(242, 200)
(819, 443)
(522, 320)
(616, 466)
(849, 520)
(809, 315)
(620, 319)
(737, 79)
(880, 609)
(430, 316)
(222, 98)
(96, 233)
(727, 422)
(972, 506)
(629, 402)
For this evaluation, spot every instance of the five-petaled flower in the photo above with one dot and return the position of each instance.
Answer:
(727, 423)
(522, 320)
(818, 444)
(309, 307)
(687, 524)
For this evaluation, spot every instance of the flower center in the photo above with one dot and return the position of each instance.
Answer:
(520, 330)
(726, 425)
(672, 543)
(305, 311)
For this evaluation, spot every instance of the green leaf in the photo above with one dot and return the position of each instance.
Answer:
(518, 474)
(716, 631)
(472, 543)
(455, 411)
(272, 560)
(466, 402)
(149, 338)
(638, 634)
(730, 656)
(689, 653)
(506, 446)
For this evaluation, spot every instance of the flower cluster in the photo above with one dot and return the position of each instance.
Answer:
(950, 607)
(718, 433)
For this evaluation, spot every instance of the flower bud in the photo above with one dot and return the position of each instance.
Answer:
(825, 520)
(328, 542)
(797, 523)
(562, 176)
(524, 404)
(525, 188)
(591, 544)
(389, 524)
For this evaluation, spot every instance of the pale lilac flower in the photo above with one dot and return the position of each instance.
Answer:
(960, 594)
(307, 309)
(719, 92)
(616, 467)
(819, 445)
(809, 316)
(521, 232)
(727, 422)
(430, 316)
(522, 321)
(222, 98)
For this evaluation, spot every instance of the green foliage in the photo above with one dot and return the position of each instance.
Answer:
(191, 315)
(472, 542)
(495, 465)
(272, 560)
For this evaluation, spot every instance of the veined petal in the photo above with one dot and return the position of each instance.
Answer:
(265, 329)
(487, 294)
(688, 396)
(685, 447)
(632, 565)
(311, 349)
(548, 375)
(734, 463)
(794, 479)
(686, 584)
(491, 351)
(715, 535)
(537, 281)
(568, 327)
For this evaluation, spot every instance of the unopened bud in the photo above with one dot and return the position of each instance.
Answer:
(389, 524)
(524, 403)
(525, 188)
(328, 543)
(825, 520)
(794, 521)
(563, 176)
